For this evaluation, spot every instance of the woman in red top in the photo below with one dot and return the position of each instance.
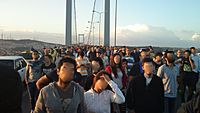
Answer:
(116, 70)
(119, 77)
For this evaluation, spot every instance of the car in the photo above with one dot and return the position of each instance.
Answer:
(27, 55)
(17, 63)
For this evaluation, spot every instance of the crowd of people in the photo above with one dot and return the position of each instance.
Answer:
(101, 79)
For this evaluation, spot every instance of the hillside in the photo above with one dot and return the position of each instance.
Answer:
(11, 47)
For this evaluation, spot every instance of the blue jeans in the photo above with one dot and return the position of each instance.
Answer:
(170, 104)
(33, 93)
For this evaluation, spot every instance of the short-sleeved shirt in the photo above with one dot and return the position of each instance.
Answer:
(186, 65)
(47, 69)
(169, 78)
(52, 76)
(34, 70)
(196, 60)
(82, 70)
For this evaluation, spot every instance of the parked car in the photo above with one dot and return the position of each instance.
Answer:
(16, 62)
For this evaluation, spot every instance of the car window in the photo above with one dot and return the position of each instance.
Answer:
(9, 63)
(18, 65)
(23, 63)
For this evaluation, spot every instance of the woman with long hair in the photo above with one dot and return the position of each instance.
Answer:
(119, 76)
(117, 71)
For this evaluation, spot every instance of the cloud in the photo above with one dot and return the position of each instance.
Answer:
(196, 37)
(131, 35)
(184, 34)
(142, 35)
(135, 28)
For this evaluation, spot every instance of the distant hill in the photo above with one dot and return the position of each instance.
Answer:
(11, 47)
(57, 38)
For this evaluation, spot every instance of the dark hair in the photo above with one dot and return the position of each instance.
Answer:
(166, 52)
(147, 49)
(112, 60)
(188, 51)
(114, 65)
(158, 54)
(35, 51)
(66, 60)
(150, 47)
(143, 50)
(98, 76)
(124, 60)
(100, 61)
(147, 59)
(192, 48)
(81, 53)
(123, 53)
(49, 56)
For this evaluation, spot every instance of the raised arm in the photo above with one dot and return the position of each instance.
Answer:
(117, 96)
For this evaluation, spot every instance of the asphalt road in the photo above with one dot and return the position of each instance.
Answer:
(26, 105)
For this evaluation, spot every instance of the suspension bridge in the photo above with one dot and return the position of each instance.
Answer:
(106, 12)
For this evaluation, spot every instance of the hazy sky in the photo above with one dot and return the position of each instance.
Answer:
(157, 17)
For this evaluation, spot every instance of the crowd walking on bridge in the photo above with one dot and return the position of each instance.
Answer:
(98, 79)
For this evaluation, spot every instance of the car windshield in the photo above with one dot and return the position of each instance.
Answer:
(9, 63)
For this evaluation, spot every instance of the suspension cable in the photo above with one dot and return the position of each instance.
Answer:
(91, 22)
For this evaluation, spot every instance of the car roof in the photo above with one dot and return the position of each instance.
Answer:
(28, 51)
(10, 57)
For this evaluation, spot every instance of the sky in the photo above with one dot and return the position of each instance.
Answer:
(139, 22)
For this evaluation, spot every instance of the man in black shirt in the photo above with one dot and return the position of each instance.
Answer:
(145, 93)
